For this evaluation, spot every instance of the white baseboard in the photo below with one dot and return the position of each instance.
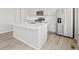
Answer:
(27, 43)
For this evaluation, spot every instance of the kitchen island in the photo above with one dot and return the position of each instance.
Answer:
(35, 35)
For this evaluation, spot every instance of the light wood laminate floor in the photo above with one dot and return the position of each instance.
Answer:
(54, 42)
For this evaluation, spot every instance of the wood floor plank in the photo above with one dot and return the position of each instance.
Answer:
(54, 42)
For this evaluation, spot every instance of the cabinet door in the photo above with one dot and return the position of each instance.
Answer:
(17, 15)
(68, 22)
(47, 11)
(32, 11)
(23, 15)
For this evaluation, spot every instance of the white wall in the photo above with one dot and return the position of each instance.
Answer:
(6, 17)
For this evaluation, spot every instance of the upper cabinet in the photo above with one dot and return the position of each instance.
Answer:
(26, 12)
(51, 11)
(17, 15)
(46, 11)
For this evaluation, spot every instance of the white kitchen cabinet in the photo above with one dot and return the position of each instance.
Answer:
(17, 16)
(47, 11)
(49, 15)
(21, 15)
(35, 35)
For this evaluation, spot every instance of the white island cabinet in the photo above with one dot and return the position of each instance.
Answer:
(35, 35)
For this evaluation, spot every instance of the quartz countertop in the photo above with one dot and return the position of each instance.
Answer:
(30, 26)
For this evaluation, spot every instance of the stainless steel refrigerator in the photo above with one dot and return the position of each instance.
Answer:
(65, 22)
